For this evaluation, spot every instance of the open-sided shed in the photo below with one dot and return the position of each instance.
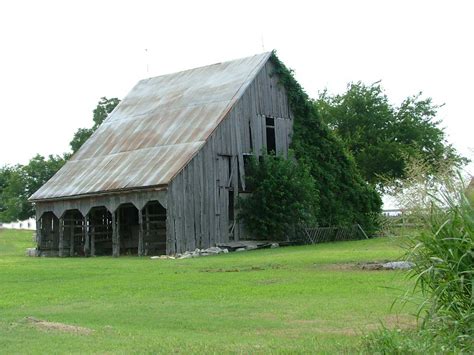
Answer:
(163, 171)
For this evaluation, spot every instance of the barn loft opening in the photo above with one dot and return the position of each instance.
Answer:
(271, 139)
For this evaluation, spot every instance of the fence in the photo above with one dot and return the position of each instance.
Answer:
(314, 235)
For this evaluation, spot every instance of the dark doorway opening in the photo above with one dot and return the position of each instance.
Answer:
(100, 231)
(127, 217)
(49, 230)
(154, 229)
(74, 236)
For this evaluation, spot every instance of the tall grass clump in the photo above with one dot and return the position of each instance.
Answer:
(442, 251)
(443, 254)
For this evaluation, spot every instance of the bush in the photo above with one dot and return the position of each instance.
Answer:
(283, 197)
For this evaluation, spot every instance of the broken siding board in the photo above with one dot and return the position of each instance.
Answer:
(239, 162)
(202, 209)
(279, 136)
(269, 90)
(205, 218)
(194, 186)
(263, 125)
(170, 245)
(188, 208)
(184, 241)
(213, 193)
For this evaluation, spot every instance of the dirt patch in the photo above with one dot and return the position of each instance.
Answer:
(45, 325)
(244, 269)
(400, 321)
(337, 267)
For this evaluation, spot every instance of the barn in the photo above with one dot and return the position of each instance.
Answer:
(161, 175)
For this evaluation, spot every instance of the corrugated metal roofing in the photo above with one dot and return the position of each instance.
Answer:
(157, 128)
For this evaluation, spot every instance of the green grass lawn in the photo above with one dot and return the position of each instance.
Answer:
(286, 300)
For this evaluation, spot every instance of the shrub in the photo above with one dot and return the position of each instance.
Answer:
(283, 196)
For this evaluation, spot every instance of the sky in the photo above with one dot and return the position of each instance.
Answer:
(58, 58)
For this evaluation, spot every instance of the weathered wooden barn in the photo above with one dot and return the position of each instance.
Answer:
(162, 173)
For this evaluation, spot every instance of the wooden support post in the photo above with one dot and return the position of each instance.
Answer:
(61, 237)
(71, 237)
(39, 237)
(85, 231)
(92, 231)
(115, 235)
(140, 233)
(147, 229)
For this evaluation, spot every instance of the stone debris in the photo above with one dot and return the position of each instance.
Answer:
(194, 254)
(391, 265)
(220, 249)
(398, 265)
(163, 257)
(32, 252)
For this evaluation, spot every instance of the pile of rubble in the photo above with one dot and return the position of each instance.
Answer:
(220, 249)
(194, 254)
(391, 265)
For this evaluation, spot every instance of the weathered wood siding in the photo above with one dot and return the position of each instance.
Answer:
(198, 198)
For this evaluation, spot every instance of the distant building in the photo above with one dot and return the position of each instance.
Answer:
(29, 224)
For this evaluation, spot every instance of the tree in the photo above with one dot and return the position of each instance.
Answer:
(19, 182)
(384, 138)
(283, 197)
(344, 197)
(104, 107)
(11, 188)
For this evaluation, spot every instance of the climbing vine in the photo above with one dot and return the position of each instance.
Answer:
(344, 197)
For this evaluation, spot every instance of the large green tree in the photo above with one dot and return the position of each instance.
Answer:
(19, 182)
(104, 107)
(382, 137)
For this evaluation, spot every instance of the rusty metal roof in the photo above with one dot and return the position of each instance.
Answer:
(155, 131)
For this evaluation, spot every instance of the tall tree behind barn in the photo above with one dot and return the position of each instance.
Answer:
(163, 172)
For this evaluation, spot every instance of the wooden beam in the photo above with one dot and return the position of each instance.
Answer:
(71, 239)
(61, 237)
(115, 234)
(39, 236)
(92, 231)
(85, 231)
(140, 232)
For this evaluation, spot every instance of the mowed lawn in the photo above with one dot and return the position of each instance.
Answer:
(286, 300)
